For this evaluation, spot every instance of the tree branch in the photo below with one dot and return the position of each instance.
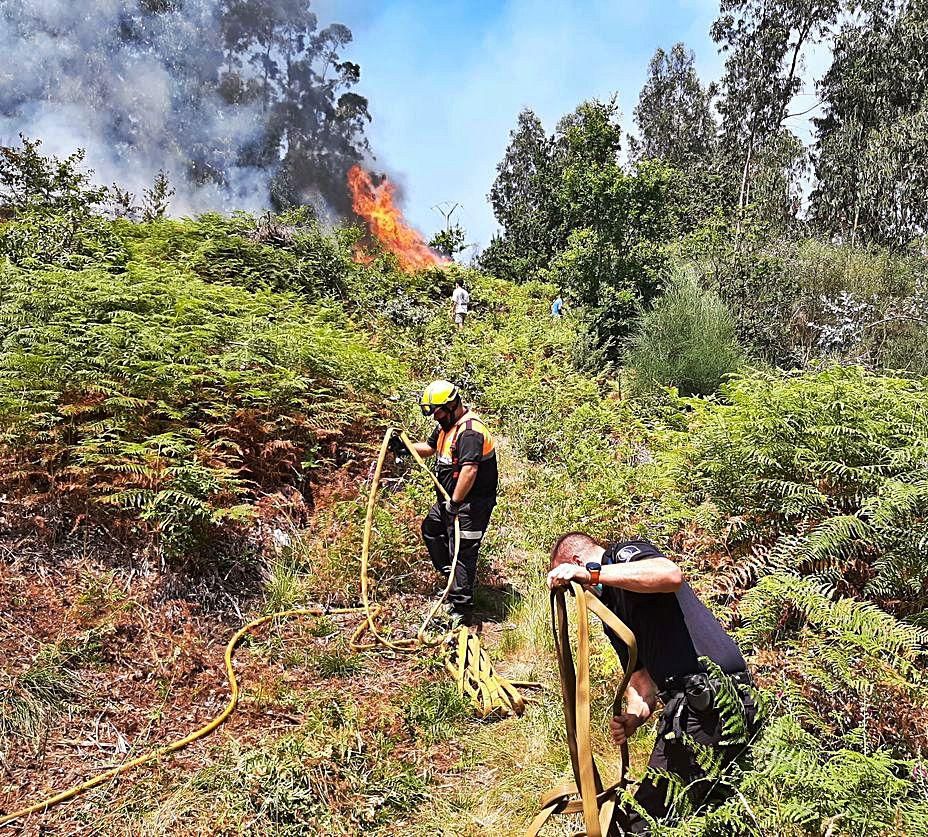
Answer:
(804, 112)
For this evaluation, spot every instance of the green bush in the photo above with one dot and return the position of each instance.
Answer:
(687, 340)
(797, 301)
(54, 210)
(37, 239)
(242, 250)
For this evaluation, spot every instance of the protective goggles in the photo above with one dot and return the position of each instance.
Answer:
(431, 409)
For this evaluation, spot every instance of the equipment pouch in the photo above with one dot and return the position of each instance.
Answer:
(699, 692)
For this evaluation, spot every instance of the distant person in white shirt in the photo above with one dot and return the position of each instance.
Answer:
(557, 307)
(460, 299)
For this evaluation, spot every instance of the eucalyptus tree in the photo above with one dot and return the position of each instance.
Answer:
(873, 138)
(677, 124)
(764, 42)
(674, 112)
(313, 123)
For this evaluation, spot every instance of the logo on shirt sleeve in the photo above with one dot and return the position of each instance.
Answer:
(626, 553)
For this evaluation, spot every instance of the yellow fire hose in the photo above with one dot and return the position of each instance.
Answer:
(369, 625)
(472, 668)
(597, 803)
(180, 743)
(467, 662)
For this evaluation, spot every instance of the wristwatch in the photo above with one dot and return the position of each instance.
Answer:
(593, 569)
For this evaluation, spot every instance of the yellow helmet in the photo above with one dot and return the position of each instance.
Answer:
(438, 394)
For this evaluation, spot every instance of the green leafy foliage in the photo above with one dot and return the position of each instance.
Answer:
(687, 340)
(824, 474)
(52, 203)
(574, 217)
(30, 182)
(449, 241)
(155, 398)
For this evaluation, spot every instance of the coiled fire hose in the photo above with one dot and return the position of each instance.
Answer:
(466, 661)
(472, 668)
(369, 625)
(597, 803)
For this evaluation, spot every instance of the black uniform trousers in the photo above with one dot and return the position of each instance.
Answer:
(438, 534)
(675, 756)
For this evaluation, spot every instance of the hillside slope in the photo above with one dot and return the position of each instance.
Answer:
(187, 434)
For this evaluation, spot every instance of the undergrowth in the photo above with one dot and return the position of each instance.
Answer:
(162, 406)
(168, 383)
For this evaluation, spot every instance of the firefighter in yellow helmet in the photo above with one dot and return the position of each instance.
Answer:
(466, 467)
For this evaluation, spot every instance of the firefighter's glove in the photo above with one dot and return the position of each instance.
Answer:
(396, 445)
(452, 508)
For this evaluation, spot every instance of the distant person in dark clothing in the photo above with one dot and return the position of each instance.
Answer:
(465, 466)
(675, 631)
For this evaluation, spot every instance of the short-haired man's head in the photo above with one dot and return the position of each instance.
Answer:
(459, 283)
(573, 548)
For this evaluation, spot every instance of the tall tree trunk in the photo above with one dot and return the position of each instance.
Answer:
(743, 191)
(792, 73)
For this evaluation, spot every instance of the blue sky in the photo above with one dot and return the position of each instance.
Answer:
(447, 80)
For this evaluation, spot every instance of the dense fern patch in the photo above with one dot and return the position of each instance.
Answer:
(823, 474)
(161, 404)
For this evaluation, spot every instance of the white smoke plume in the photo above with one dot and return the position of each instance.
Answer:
(138, 85)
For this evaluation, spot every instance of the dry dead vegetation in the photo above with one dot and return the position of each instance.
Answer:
(114, 657)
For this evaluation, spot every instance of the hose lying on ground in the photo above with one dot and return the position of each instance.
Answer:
(473, 669)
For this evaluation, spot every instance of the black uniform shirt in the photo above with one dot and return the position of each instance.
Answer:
(467, 447)
(673, 629)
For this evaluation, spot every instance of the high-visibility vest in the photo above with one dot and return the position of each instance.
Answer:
(446, 450)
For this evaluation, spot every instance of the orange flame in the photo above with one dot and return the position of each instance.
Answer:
(386, 223)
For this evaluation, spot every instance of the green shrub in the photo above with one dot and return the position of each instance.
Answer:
(821, 473)
(796, 301)
(55, 212)
(687, 340)
(37, 239)
(337, 662)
